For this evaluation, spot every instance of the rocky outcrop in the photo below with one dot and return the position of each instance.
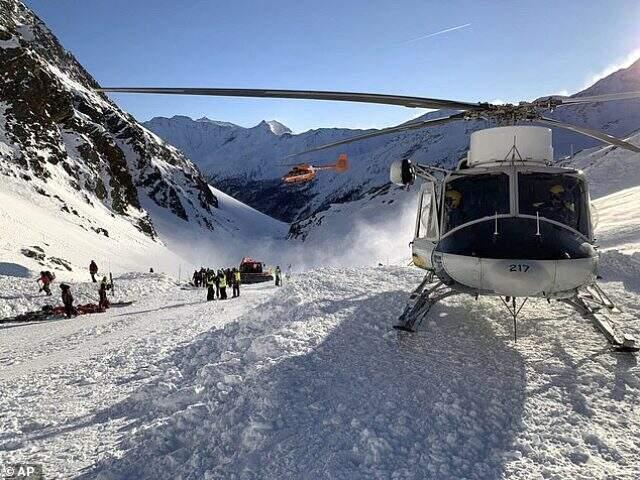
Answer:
(56, 130)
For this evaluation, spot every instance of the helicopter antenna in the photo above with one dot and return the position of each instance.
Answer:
(512, 154)
(514, 310)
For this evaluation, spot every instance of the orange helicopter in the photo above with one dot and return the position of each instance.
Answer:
(305, 172)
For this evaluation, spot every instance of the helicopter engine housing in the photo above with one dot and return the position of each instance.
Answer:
(522, 144)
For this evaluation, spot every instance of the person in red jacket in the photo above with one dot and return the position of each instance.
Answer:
(46, 278)
(93, 270)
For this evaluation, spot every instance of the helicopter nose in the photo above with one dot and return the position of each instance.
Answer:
(520, 278)
(516, 262)
(517, 278)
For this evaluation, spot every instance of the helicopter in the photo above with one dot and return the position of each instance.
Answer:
(505, 222)
(305, 172)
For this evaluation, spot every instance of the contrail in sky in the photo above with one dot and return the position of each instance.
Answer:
(437, 33)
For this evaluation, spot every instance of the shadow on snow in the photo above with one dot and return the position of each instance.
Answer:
(362, 402)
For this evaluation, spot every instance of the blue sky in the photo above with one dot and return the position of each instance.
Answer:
(511, 50)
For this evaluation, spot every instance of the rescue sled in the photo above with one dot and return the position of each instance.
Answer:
(50, 312)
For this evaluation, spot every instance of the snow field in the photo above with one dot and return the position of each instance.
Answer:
(314, 384)
(62, 381)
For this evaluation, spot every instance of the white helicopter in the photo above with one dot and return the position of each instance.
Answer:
(505, 222)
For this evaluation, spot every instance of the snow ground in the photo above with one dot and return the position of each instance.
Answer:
(62, 380)
(308, 381)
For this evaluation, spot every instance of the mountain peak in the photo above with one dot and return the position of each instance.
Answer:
(275, 126)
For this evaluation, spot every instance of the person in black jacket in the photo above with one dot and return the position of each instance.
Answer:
(278, 276)
(211, 282)
(216, 279)
(67, 300)
(102, 293)
(93, 270)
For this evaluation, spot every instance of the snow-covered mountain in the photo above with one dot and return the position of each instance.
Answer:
(246, 162)
(82, 179)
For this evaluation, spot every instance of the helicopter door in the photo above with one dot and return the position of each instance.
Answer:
(427, 228)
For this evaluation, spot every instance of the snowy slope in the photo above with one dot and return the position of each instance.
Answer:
(619, 220)
(310, 382)
(609, 169)
(37, 235)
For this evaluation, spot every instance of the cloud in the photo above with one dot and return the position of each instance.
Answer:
(625, 62)
(440, 32)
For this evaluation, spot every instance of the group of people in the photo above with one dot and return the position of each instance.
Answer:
(216, 282)
(46, 279)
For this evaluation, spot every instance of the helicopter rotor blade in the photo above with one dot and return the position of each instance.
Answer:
(600, 98)
(406, 127)
(603, 137)
(413, 102)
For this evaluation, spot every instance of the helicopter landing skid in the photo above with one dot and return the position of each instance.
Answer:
(420, 302)
(594, 304)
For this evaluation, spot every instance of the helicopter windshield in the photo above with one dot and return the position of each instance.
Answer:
(559, 197)
(472, 197)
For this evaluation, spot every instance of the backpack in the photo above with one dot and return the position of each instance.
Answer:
(50, 276)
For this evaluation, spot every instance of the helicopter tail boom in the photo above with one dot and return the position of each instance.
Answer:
(342, 165)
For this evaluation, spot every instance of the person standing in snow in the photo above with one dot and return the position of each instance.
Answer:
(278, 276)
(67, 300)
(93, 271)
(211, 293)
(196, 278)
(223, 285)
(203, 276)
(216, 279)
(46, 278)
(236, 282)
(102, 293)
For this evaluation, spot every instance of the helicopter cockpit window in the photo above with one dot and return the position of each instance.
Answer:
(558, 197)
(472, 197)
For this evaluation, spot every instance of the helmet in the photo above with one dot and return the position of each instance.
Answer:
(556, 189)
(454, 196)
(104, 279)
